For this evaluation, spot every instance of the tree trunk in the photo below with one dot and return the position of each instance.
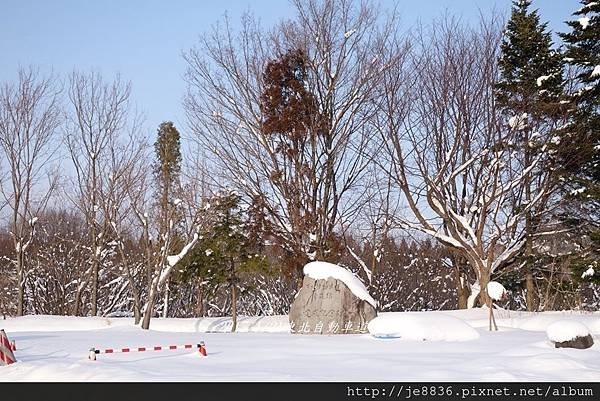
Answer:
(94, 294)
(528, 235)
(299, 273)
(200, 300)
(77, 302)
(21, 282)
(530, 291)
(372, 284)
(463, 294)
(485, 299)
(149, 310)
(463, 290)
(165, 311)
(233, 296)
(529, 285)
(233, 307)
(137, 314)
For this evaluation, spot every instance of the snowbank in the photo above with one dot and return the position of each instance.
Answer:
(566, 330)
(245, 324)
(55, 323)
(541, 321)
(324, 270)
(421, 327)
(60, 352)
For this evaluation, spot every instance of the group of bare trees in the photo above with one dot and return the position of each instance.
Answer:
(29, 119)
(417, 111)
(337, 122)
(341, 133)
(78, 146)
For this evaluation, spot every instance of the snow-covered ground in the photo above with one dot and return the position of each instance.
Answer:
(56, 349)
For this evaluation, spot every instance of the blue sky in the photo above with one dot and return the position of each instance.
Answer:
(143, 39)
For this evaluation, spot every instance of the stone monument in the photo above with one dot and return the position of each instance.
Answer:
(331, 301)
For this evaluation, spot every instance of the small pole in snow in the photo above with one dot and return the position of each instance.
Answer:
(201, 348)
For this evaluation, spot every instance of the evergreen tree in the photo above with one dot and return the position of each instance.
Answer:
(580, 155)
(531, 70)
(226, 249)
(529, 94)
(167, 169)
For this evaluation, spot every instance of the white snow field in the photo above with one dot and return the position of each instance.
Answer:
(54, 348)
(422, 326)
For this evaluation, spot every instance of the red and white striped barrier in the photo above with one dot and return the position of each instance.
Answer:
(94, 351)
(6, 350)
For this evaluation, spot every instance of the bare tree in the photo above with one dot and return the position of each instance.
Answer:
(196, 190)
(126, 162)
(56, 259)
(161, 265)
(301, 175)
(99, 114)
(374, 224)
(29, 119)
(450, 156)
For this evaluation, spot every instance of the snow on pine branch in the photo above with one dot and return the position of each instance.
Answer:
(584, 22)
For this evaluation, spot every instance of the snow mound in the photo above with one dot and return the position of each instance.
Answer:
(565, 330)
(245, 324)
(54, 323)
(495, 290)
(324, 270)
(541, 322)
(421, 327)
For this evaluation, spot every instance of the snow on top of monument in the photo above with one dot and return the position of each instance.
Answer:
(566, 330)
(324, 270)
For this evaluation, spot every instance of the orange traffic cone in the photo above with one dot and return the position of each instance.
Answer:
(6, 353)
(202, 348)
